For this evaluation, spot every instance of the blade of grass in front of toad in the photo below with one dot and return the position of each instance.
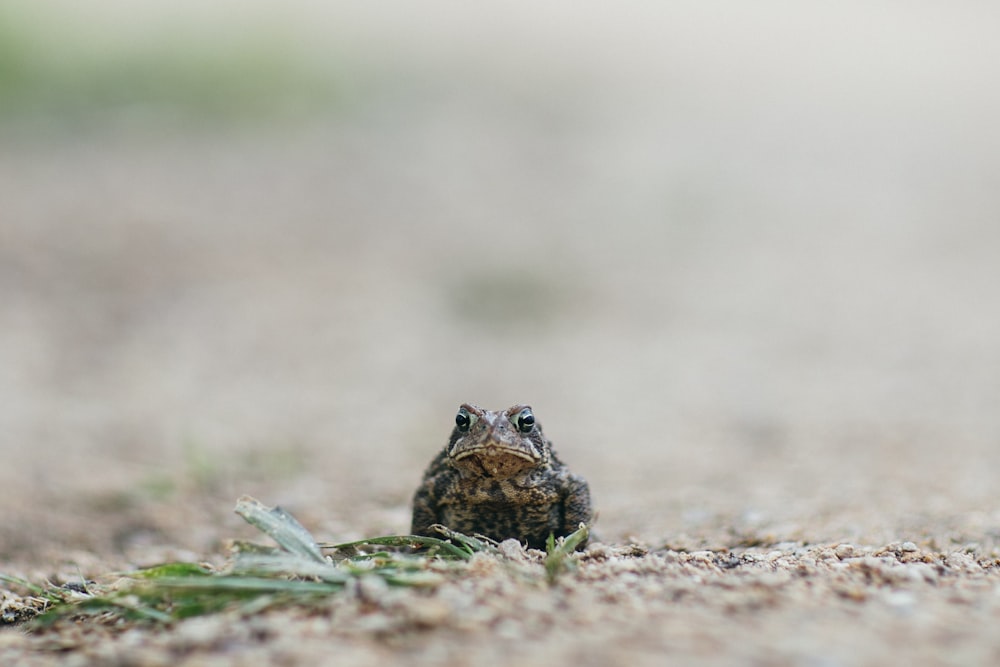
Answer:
(557, 554)
(286, 564)
(405, 541)
(471, 544)
(281, 526)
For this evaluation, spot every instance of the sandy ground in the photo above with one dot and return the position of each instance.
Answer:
(745, 267)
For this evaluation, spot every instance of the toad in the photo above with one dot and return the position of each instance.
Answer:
(499, 477)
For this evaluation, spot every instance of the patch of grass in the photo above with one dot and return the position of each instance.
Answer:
(258, 577)
(558, 553)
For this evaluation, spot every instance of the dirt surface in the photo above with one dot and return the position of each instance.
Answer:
(744, 266)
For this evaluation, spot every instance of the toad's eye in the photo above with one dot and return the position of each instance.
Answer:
(525, 421)
(463, 420)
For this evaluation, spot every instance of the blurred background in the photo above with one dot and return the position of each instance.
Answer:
(743, 260)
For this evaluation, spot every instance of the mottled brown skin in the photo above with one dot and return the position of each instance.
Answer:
(499, 477)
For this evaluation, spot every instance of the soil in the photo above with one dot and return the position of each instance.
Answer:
(759, 316)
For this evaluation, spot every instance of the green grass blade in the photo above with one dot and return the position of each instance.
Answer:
(172, 570)
(243, 585)
(257, 577)
(557, 554)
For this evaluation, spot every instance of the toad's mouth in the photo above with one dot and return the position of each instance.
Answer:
(495, 451)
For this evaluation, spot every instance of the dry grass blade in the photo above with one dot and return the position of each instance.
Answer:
(471, 544)
(281, 526)
(287, 565)
(434, 545)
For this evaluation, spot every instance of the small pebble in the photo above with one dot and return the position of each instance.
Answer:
(844, 551)
(961, 561)
(512, 550)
